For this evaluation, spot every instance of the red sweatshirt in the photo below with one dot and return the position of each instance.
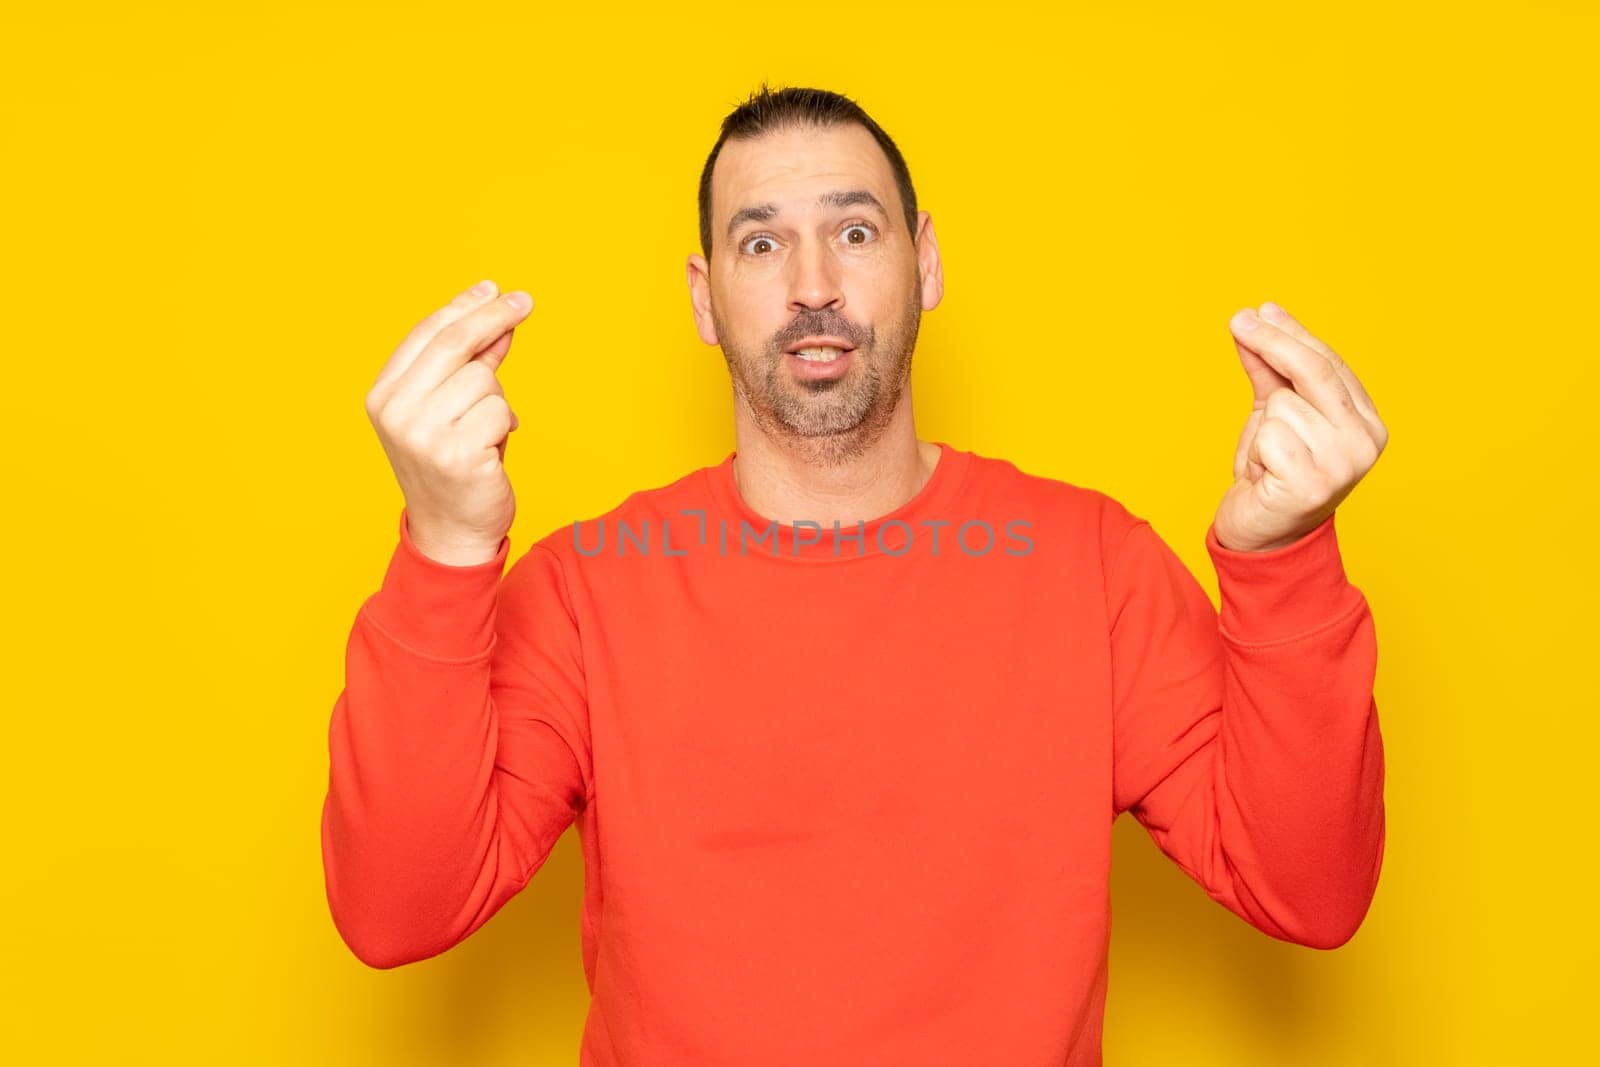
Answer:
(845, 796)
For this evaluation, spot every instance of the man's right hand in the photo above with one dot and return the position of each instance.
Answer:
(443, 420)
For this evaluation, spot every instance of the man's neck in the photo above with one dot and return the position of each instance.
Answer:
(789, 484)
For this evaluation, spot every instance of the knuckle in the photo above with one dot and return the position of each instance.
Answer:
(1280, 402)
(1335, 381)
(391, 426)
(489, 408)
(414, 439)
(1282, 436)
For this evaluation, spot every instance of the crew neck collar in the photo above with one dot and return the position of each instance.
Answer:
(886, 535)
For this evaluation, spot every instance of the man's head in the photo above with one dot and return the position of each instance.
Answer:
(809, 229)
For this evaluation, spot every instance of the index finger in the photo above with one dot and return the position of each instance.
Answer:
(458, 342)
(1313, 375)
(423, 332)
(1275, 314)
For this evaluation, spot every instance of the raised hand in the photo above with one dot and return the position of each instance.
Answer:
(443, 420)
(1312, 434)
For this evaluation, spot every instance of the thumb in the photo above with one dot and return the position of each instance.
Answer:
(495, 354)
(1264, 380)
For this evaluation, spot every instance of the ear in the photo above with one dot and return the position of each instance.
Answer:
(699, 277)
(928, 266)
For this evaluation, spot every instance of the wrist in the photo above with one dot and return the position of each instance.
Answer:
(448, 547)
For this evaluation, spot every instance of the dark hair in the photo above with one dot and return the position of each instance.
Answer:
(769, 110)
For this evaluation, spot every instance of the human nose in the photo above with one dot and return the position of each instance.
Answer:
(814, 278)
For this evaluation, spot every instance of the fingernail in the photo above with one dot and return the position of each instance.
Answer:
(1273, 313)
(1244, 321)
(483, 288)
(519, 300)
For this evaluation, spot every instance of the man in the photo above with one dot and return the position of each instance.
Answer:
(845, 719)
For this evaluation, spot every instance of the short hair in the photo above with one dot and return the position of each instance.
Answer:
(771, 110)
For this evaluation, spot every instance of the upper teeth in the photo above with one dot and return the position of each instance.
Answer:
(820, 355)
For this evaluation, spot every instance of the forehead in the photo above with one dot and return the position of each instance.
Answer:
(791, 167)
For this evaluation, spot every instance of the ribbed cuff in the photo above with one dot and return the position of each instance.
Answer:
(436, 609)
(1284, 592)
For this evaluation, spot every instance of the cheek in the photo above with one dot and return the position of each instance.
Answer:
(753, 303)
(749, 294)
(749, 331)
(876, 291)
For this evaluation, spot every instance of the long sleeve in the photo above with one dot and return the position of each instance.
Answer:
(458, 749)
(1247, 743)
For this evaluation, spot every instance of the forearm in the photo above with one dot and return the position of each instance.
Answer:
(409, 839)
(415, 851)
(1300, 765)
(1247, 743)
(1299, 780)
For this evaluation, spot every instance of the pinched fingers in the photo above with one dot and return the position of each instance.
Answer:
(1308, 369)
(423, 332)
(457, 344)
(1279, 451)
(1284, 409)
(469, 384)
(1288, 407)
(1277, 316)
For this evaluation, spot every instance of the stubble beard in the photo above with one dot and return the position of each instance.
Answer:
(827, 421)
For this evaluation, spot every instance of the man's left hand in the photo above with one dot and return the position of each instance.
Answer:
(1312, 434)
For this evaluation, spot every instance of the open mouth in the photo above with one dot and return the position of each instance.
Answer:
(820, 363)
(821, 353)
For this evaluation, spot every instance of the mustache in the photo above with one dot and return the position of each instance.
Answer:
(821, 326)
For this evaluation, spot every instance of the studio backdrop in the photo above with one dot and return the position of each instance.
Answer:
(220, 220)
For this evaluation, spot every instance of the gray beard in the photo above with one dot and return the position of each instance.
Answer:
(833, 421)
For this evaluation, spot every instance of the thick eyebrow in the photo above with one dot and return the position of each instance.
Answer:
(836, 198)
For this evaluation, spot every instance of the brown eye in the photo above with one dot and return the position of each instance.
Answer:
(751, 242)
(865, 229)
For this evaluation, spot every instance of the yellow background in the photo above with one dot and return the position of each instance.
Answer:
(219, 221)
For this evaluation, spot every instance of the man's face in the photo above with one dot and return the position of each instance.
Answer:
(809, 240)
